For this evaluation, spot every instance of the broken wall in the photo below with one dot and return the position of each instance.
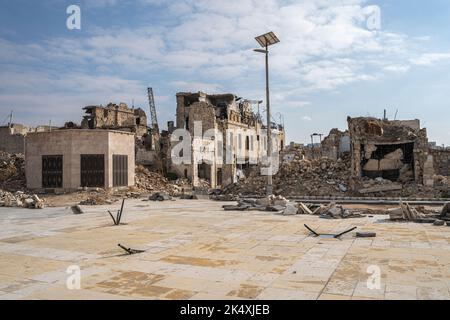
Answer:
(10, 141)
(335, 144)
(394, 150)
(115, 116)
(441, 161)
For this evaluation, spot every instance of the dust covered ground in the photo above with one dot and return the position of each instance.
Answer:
(196, 250)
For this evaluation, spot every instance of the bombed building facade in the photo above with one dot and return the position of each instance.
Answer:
(121, 117)
(336, 144)
(394, 150)
(228, 138)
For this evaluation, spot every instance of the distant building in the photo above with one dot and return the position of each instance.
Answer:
(241, 142)
(121, 117)
(12, 136)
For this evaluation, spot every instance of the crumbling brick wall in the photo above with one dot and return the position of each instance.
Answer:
(441, 161)
(383, 147)
(115, 116)
(335, 144)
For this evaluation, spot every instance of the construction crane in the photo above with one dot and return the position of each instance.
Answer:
(151, 101)
(156, 139)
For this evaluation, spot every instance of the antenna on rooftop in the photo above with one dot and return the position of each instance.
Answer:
(10, 119)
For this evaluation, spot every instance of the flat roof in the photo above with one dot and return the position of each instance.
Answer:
(84, 130)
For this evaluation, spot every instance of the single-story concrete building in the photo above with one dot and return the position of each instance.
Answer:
(71, 158)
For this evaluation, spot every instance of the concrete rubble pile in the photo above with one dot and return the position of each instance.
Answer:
(271, 203)
(20, 200)
(300, 177)
(160, 196)
(283, 206)
(98, 199)
(326, 177)
(380, 187)
(146, 180)
(419, 214)
(329, 211)
(12, 171)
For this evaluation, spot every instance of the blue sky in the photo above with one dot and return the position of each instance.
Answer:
(329, 65)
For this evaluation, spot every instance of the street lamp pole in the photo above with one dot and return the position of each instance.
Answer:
(265, 41)
(269, 128)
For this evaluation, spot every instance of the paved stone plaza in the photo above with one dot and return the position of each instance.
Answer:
(195, 250)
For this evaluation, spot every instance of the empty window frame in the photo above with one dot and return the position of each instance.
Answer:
(52, 171)
(92, 170)
(120, 170)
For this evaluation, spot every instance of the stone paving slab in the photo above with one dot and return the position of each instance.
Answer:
(196, 250)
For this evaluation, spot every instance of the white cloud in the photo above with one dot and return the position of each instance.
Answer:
(306, 118)
(401, 68)
(197, 86)
(429, 59)
(60, 97)
(99, 3)
(325, 44)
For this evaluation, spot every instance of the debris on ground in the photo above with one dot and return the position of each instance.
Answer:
(405, 212)
(160, 196)
(148, 181)
(76, 209)
(366, 234)
(224, 197)
(129, 250)
(270, 203)
(445, 213)
(391, 186)
(439, 223)
(322, 177)
(328, 235)
(282, 205)
(98, 199)
(20, 199)
(186, 196)
(12, 171)
(298, 176)
(418, 214)
(330, 211)
(118, 217)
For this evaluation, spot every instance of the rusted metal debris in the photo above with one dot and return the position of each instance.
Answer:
(129, 250)
(118, 217)
(329, 235)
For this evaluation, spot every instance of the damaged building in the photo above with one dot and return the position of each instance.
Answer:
(121, 117)
(240, 142)
(394, 150)
(441, 161)
(336, 144)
